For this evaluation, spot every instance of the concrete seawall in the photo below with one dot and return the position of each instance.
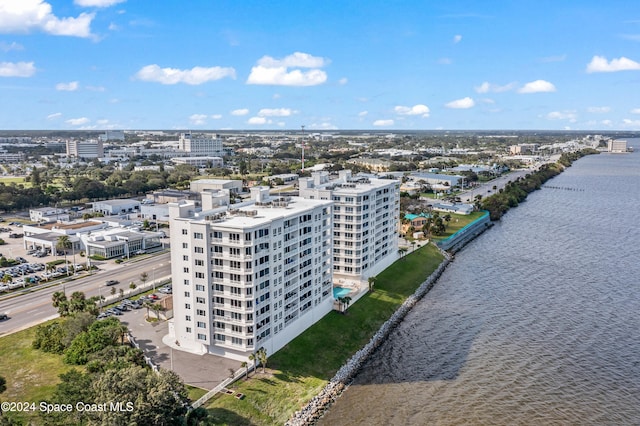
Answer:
(317, 406)
(458, 240)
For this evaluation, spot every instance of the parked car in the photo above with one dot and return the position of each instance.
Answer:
(166, 290)
(111, 282)
(3, 316)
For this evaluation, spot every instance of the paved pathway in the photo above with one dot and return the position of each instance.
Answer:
(203, 371)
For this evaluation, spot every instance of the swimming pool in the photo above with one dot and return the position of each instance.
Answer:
(340, 292)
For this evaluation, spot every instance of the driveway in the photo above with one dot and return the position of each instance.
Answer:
(203, 371)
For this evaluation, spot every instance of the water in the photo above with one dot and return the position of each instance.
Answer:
(340, 292)
(536, 322)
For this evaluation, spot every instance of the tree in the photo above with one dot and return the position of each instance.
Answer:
(347, 302)
(245, 365)
(261, 354)
(143, 278)
(253, 360)
(160, 399)
(3, 387)
(402, 251)
(64, 243)
(372, 282)
(60, 302)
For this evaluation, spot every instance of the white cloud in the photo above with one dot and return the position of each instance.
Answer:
(607, 123)
(78, 121)
(241, 111)
(113, 27)
(281, 77)
(258, 120)
(323, 126)
(198, 119)
(457, 38)
(631, 123)
(194, 76)
(276, 112)
(599, 110)
(383, 123)
(271, 71)
(363, 113)
(7, 47)
(635, 111)
(216, 116)
(276, 96)
(54, 116)
(538, 86)
(463, 103)
(419, 109)
(487, 87)
(17, 69)
(23, 16)
(445, 61)
(562, 115)
(295, 60)
(72, 86)
(97, 3)
(343, 81)
(600, 64)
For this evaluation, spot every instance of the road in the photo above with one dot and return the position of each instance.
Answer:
(34, 305)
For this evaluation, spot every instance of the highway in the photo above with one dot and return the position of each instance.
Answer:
(33, 305)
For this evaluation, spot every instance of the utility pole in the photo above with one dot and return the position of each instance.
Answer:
(302, 148)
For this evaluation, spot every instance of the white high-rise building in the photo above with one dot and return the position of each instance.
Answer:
(249, 275)
(85, 149)
(365, 221)
(200, 145)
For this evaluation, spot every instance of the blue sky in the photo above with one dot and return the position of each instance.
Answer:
(382, 65)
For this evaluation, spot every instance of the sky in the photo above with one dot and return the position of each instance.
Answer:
(326, 65)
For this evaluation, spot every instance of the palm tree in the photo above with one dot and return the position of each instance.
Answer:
(59, 301)
(262, 357)
(252, 358)
(143, 278)
(347, 302)
(402, 251)
(372, 282)
(64, 243)
(245, 365)
(147, 304)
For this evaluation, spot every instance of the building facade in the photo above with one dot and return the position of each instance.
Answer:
(365, 221)
(200, 145)
(251, 276)
(85, 149)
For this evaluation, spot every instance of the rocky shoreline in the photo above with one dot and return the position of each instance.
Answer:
(321, 402)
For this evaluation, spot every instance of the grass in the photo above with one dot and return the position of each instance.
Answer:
(31, 374)
(17, 180)
(297, 372)
(195, 393)
(457, 222)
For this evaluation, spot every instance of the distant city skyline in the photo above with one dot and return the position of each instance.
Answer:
(379, 65)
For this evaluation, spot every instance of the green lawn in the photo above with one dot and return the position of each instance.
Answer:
(301, 369)
(31, 374)
(16, 180)
(458, 221)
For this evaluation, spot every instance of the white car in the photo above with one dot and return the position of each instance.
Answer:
(4, 287)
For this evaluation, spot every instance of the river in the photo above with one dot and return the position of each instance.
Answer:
(536, 322)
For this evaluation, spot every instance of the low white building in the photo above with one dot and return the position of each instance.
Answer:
(116, 207)
(202, 185)
(48, 214)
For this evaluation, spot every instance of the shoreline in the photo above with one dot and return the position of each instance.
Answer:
(320, 403)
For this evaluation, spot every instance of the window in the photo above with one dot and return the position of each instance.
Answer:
(185, 245)
(202, 337)
(185, 270)
(188, 329)
(201, 324)
(199, 274)
(187, 294)
(201, 312)
(187, 306)
(187, 317)
(185, 232)
(198, 235)
(199, 287)
(198, 249)
(185, 258)
(199, 262)
(200, 299)
(186, 282)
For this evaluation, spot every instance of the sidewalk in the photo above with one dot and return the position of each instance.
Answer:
(203, 371)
